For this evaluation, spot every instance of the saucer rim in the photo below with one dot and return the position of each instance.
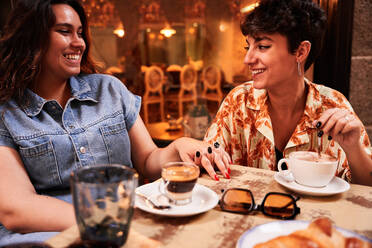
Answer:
(313, 191)
(198, 210)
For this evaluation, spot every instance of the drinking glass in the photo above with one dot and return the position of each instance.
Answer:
(178, 181)
(103, 198)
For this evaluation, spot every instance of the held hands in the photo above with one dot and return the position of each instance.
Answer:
(341, 125)
(206, 155)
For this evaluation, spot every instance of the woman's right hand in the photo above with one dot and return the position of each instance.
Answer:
(205, 155)
(342, 126)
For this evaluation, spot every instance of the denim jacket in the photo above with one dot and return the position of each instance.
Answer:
(91, 129)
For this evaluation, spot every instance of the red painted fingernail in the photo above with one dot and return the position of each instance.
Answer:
(216, 178)
(228, 171)
(227, 176)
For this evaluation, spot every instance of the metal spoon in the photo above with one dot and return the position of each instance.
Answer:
(151, 203)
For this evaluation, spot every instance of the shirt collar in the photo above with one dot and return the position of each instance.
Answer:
(313, 100)
(256, 98)
(32, 103)
(263, 122)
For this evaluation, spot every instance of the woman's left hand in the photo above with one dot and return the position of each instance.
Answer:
(341, 125)
(204, 154)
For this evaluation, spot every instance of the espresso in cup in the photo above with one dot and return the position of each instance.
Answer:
(310, 169)
(179, 179)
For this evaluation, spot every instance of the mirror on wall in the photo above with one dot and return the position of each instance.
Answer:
(185, 45)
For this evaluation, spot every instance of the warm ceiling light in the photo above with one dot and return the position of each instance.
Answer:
(248, 8)
(222, 27)
(119, 31)
(167, 31)
(152, 36)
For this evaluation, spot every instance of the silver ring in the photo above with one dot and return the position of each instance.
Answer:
(347, 118)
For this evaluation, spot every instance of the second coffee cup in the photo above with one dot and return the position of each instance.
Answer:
(178, 181)
(309, 169)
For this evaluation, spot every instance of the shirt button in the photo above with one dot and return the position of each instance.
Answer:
(82, 149)
(71, 126)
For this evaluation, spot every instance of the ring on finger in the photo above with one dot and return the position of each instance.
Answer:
(347, 118)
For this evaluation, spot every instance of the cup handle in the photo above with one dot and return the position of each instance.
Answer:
(283, 160)
(285, 174)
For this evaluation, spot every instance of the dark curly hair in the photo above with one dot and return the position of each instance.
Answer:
(25, 41)
(298, 20)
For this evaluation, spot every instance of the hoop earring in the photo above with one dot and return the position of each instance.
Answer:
(299, 68)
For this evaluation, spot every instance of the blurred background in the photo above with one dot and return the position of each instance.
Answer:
(194, 50)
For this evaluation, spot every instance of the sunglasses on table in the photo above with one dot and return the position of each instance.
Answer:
(274, 204)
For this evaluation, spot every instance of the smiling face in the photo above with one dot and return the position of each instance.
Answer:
(271, 63)
(66, 46)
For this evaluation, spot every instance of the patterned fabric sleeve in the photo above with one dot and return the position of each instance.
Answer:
(336, 99)
(218, 131)
(228, 127)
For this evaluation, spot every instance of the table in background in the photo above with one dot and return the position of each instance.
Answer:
(161, 135)
(350, 210)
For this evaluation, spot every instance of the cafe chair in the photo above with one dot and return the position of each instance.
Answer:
(187, 92)
(211, 79)
(174, 68)
(144, 68)
(154, 79)
(173, 72)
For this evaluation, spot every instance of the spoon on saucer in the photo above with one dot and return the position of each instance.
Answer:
(152, 203)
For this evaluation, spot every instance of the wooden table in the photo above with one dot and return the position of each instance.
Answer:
(350, 210)
(161, 135)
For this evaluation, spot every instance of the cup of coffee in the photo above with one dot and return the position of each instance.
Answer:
(103, 198)
(178, 181)
(310, 169)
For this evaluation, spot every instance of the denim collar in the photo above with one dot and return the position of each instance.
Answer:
(32, 103)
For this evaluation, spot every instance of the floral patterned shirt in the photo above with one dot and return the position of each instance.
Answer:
(243, 127)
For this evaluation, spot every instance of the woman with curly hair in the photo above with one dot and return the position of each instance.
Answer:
(57, 114)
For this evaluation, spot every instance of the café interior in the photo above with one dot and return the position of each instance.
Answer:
(183, 57)
(180, 54)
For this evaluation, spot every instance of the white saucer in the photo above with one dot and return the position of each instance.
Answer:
(336, 186)
(265, 232)
(203, 199)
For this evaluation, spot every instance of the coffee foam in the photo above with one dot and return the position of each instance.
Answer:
(180, 173)
(313, 156)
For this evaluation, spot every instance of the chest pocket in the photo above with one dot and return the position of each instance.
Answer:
(41, 164)
(117, 143)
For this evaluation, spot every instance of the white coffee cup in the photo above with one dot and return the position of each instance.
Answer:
(309, 169)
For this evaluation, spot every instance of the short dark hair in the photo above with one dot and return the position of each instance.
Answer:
(25, 41)
(298, 20)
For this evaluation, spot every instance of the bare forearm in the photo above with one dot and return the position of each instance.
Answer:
(159, 157)
(38, 213)
(360, 164)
